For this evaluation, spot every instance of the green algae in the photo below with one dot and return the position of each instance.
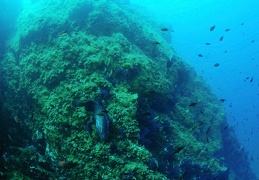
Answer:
(71, 57)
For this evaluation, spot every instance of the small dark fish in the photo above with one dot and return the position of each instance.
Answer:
(198, 124)
(242, 24)
(251, 80)
(221, 38)
(253, 41)
(164, 29)
(225, 51)
(101, 114)
(227, 30)
(147, 113)
(200, 55)
(183, 175)
(193, 104)
(105, 111)
(216, 64)
(222, 100)
(16, 119)
(64, 33)
(208, 130)
(207, 43)
(10, 137)
(208, 140)
(88, 126)
(177, 150)
(150, 91)
(69, 165)
(226, 127)
(169, 63)
(65, 125)
(212, 28)
(41, 20)
(156, 43)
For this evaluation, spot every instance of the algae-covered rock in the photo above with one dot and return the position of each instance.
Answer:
(103, 50)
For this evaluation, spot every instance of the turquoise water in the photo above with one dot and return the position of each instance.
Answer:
(191, 21)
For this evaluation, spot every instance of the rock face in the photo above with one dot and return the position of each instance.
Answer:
(165, 122)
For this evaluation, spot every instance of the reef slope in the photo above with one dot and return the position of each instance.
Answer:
(164, 121)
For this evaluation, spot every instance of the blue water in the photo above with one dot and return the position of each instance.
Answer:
(191, 21)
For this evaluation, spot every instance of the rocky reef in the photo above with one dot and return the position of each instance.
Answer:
(164, 121)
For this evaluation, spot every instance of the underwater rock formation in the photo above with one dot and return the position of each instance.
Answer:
(111, 53)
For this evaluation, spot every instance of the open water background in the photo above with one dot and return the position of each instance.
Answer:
(191, 21)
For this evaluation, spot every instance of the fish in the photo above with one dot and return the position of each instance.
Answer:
(150, 91)
(251, 80)
(105, 111)
(164, 29)
(216, 64)
(156, 43)
(65, 125)
(61, 163)
(100, 113)
(193, 104)
(10, 137)
(183, 175)
(242, 24)
(212, 28)
(177, 150)
(208, 130)
(16, 119)
(147, 113)
(198, 124)
(64, 33)
(101, 118)
(207, 43)
(208, 140)
(169, 63)
(227, 30)
(67, 165)
(200, 55)
(221, 38)
(222, 100)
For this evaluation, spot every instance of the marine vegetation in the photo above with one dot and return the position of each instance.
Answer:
(97, 92)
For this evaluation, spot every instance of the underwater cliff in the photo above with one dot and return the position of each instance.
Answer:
(163, 120)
